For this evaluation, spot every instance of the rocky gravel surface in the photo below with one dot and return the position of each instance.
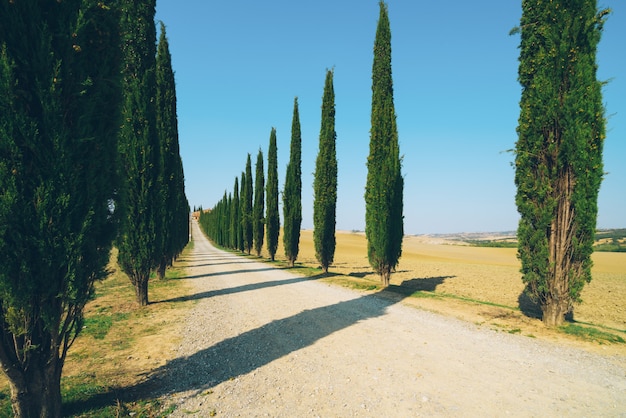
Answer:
(264, 342)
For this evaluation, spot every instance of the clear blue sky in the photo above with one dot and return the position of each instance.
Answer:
(240, 63)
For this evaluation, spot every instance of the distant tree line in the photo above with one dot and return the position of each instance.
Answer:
(88, 157)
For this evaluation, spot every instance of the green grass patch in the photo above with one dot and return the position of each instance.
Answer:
(98, 326)
(591, 334)
(351, 282)
(85, 397)
(303, 270)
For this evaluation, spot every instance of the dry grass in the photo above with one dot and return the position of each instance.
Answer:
(136, 343)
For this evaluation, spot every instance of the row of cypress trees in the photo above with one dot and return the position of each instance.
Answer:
(383, 192)
(242, 220)
(72, 180)
(154, 222)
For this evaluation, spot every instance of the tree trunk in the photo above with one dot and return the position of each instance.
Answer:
(37, 391)
(161, 269)
(554, 312)
(558, 300)
(385, 277)
(141, 290)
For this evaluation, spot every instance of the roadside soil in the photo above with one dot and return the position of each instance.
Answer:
(266, 342)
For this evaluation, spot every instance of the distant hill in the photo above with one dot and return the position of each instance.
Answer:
(613, 240)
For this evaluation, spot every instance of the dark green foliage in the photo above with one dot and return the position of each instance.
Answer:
(235, 216)
(139, 148)
(246, 208)
(258, 221)
(240, 242)
(384, 224)
(59, 114)
(272, 217)
(216, 222)
(558, 158)
(174, 209)
(325, 183)
(292, 195)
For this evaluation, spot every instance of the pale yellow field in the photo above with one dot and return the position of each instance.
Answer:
(478, 274)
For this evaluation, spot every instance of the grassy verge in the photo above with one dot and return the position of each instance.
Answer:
(592, 334)
(119, 345)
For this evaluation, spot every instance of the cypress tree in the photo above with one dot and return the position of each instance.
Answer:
(383, 193)
(235, 224)
(558, 154)
(272, 216)
(59, 114)
(139, 148)
(325, 181)
(292, 195)
(240, 243)
(226, 232)
(220, 221)
(258, 221)
(246, 212)
(174, 216)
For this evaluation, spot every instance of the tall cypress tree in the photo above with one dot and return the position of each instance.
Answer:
(173, 219)
(240, 242)
(292, 195)
(558, 160)
(59, 114)
(384, 224)
(227, 232)
(235, 223)
(139, 148)
(246, 208)
(258, 220)
(325, 182)
(272, 215)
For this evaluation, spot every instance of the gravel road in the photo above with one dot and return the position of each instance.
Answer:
(264, 342)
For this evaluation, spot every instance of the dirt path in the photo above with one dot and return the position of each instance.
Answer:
(264, 342)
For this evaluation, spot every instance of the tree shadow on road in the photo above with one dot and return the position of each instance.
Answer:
(226, 273)
(213, 264)
(248, 351)
(237, 289)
